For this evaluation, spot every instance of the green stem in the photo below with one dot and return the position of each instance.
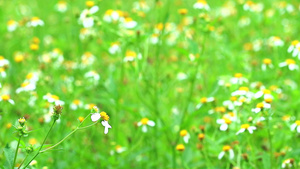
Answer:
(270, 141)
(23, 161)
(41, 144)
(16, 154)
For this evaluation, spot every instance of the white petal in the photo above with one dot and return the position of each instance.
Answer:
(95, 117)
(240, 131)
(221, 155)
(224, 127)
(11, 101)
(144, 128)
(151, 123)
(298, 129)
(94, 9)
(220, 121)
(186, 138)
(231, 154)
(258, 94)
(293, 126)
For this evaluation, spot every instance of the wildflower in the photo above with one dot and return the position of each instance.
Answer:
(181, 76)
(201, 136)
(97, 116)
(185, 135)
(22, 121)
(53, 99)
(2, 73)
(57, 110)
(238, 79)
(224, 123)
(275, 41)
(201, 4)
(141, 6)
(89, 106)
(266, 63)
(86, 17)
(32, 77)
(34, 47)
(296, 126)
(87, 59)
(144, 122)
(290, 63)
(288, 163)
(131, 56)
(61, 6)
(112, 16)
(253, 7)
(182, 11)
(18, 57)
(120, 149)
(76, 104)
(12, 25)
(80, 119)
(7, 98)
(92, 75)
(245, 127)
(180, 147)
(243, 91)
(128, 23)
(35, 21)
(3, 62)
(294, 48)
(261, 106)
(154, 38)
(86, 33)
(264, 92)
(114, 48)
(226, 149)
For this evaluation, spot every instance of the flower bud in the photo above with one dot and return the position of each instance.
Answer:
(22, 121)
(29, 149)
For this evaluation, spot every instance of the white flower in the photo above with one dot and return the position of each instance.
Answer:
(144, 122)
(245, 127)
(7, 98)
(61, 6)
(296, 126)
(97, 116)
(288, 163)
(181, 76)
(238, 79)
(53, 99)
(26, 86)
(106, 126)
(114, 48)
(12, 25)
(76, 104)
(128, 23)
(228, 149)
(35, 21)
(201, 4)
(3, 62)
(261, 106)
(224, 123)
(290, 63)
(185, 135)
(92, 74)
(86, 17)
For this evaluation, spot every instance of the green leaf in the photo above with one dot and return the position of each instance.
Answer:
(9, 156)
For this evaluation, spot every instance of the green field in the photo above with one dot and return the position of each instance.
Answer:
(162, 84)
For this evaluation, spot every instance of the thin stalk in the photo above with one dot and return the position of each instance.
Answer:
(23, 161)
(41, 144)
(270, 141)
(16, 154)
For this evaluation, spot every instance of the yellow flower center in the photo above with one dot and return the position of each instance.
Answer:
(128, 19)
(183, 133)
(36, 40)
(11, 22)
(21, 120)
(32, 141)
(54, 97)
(267, 61)
(238, 75)
(35, 19)
(130, 53)
(244, 89)
(295, 42)
(5, 97)
(34, 47)
(2, 69)
(226, 120)
(25, 84)
(76, 102)
(144, 121)
(220, 109)
(160, 26)
(202, 2)
(290, 61)
(91, 106)
(104, 116)
(19, 58)
(29, 76)
(201, 136)
(1, 58)
(268, 100)
(203, 100)
(245, 126)
(266, 91)
(89, 3)
(260, 105)
(226, 148)
(8, 125)
(80, 119)
(180, 147)
(183, 11)
(233, 98)
(298, 122)
(118, 147)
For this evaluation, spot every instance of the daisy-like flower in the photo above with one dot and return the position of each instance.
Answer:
(253, 7)
(112, 15)
(19, 57)
(92, 75)
(261, 106)
(53, 99)
(185, 135)
(275, 41)
(182, 11)
(243, 91)
(265, 93)
(181, 76)
(144, 122)
(238, 79)
(118, 149)
(26, 86)
(35, 21)
(154, 38)
(114, 48)
(201, 136)
(201, 4)
(6, 98)
(294, 48)
(87, 59)
(205, 100)
(12, 25)
(290, 63)
(128, 23)
(3, 62)
(245, 127)
(61, 6)
(141, 6)
(180, 147)
(97, 116)
(86, 17)
(296, 126)
(76, 104)
(2, 72)
(288, 163)
(226, 149)
(131, 56)
(267, 63)
(32, 77)
(225, 122)
(86, 33)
